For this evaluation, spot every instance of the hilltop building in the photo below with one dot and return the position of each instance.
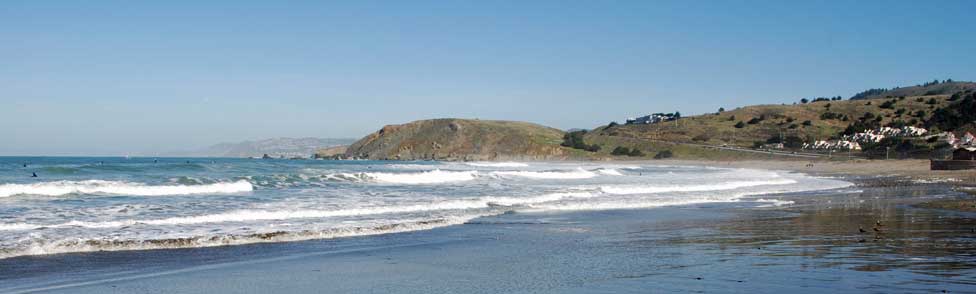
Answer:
(653, 118)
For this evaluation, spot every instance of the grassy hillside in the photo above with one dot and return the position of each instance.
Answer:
(745, 126)
(927, 89)
(461, 139)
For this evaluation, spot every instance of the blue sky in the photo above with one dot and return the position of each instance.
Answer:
(117, 77)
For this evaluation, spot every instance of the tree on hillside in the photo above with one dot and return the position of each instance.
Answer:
(575, 140)
(804, 100)
(620, 150)
(955, 115)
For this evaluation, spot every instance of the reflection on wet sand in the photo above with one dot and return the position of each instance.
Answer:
(877, 229)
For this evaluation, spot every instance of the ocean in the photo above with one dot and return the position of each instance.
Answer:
(83, 204)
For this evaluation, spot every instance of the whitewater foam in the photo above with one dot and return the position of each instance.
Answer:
(579, 173)
(265, 215)
(497, 164)
(58, 188)
(609, 172)
(428, 177)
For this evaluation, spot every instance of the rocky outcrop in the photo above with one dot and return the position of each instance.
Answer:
(336, 152)
(460, 139)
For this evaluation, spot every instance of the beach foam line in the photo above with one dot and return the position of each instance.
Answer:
(71, 245)
(58, 188)
(625, 190)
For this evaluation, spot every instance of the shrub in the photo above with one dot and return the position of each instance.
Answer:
(793, 142)
(620, 150)
(807, 123)
(663, 154)
(740, 125)
(887, 105)
(635, 152)
(702, 138)
(754, 120)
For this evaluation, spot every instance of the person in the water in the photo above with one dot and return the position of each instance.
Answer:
(33, 175)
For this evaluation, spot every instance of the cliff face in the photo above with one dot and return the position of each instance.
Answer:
(461, 139)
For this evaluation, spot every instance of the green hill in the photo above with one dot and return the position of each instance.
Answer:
(461, 139)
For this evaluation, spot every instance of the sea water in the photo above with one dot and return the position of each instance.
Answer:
(104, 204)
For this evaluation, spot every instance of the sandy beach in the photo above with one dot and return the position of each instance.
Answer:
(873, 237)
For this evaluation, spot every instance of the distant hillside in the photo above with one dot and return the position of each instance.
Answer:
(461, 139)
(931, 88)
(821, 120)
(275, 147)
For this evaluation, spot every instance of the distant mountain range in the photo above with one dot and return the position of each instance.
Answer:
(274, 147)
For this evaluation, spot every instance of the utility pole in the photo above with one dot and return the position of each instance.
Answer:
(886, 152)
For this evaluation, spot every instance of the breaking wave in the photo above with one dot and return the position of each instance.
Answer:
(265, 215)
(428, 177)
(112, 244)
(58, 188)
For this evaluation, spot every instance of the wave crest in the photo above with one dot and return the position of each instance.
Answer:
(579, 173)
(58, 188)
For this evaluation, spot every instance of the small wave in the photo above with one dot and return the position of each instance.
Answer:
(693, 188)
(58, 188)
(497, 164)
(609, 172)
(773, 202)
(579, 173)
(428, 177)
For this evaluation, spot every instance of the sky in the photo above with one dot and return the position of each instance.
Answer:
(147, 77)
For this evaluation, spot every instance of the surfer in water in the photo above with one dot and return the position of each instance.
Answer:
(33, 175)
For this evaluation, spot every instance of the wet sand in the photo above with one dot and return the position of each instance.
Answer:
(811, 246)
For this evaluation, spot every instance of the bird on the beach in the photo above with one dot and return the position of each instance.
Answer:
(861, 230)
(876, 229)
(878, 223)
